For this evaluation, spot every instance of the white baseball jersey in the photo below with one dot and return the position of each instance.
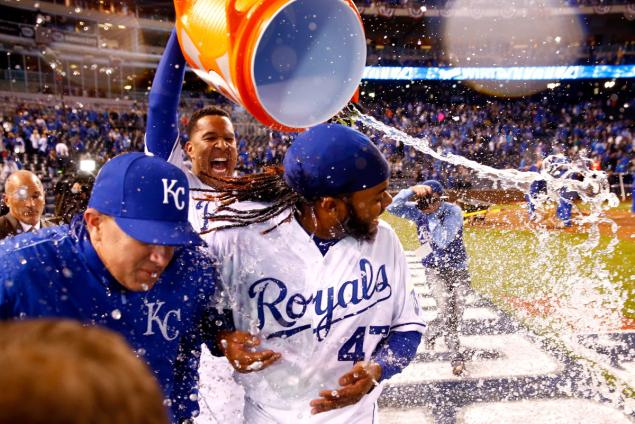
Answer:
(322, 313)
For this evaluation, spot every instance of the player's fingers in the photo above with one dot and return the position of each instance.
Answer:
(255, 361)
(330, 394)
(353, 392)
(352, 376)
(252, 341)
(271, 360)
(322, 405)
(261, 356)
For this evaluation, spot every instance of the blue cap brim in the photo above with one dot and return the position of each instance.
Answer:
(164, 233)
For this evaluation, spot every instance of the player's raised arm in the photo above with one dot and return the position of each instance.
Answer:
(162, 127)
(403, 205)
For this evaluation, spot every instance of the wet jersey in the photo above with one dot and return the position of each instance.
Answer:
(322, 313)
(57, 273)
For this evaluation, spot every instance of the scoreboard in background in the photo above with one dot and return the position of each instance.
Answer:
(527, 73)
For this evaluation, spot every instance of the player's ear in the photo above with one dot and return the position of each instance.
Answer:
(335, 207)
(328, 205)
(188, 149)
(94, 221)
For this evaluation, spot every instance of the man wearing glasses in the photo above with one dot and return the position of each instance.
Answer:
(440, 231)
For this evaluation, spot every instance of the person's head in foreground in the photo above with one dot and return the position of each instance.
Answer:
(59, 372)
(211, 145)
(24, 195)
(334, 178)
(137, 217)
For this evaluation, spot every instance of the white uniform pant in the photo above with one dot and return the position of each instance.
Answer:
(449, 287)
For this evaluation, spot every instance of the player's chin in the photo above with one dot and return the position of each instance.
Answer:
(144, 281)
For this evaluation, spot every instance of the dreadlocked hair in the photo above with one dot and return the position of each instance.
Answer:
(268, 187)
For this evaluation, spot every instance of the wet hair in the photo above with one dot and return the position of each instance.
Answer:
(268, 187)
(201, 113)
(60, 372)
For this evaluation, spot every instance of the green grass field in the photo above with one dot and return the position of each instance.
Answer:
(507, 264)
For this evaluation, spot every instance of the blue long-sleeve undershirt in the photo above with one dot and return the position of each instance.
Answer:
(396, 352)
(442, 233)
(162, 127)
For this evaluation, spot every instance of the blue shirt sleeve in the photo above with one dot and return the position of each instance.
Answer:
(396, 352)
(401, 207)
(448, 229)
(216, 322)
(162, 127)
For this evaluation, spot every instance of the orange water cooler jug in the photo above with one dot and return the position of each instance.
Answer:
(291, 63)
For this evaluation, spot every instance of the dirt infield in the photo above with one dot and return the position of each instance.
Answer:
(514, 217)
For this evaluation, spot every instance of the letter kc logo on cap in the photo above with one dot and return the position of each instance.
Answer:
(169, 190)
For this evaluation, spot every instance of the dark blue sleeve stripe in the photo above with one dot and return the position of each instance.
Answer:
(396, 352)
(163, 101)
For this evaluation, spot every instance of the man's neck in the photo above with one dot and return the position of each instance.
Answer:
(308, 219)
(26, 226)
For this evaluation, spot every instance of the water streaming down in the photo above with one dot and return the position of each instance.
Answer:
(569, 279)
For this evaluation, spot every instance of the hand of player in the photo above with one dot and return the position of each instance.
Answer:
(238, 347)
(355, 384)
(422, 191)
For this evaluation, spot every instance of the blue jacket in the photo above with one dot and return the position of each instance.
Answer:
(443, 229)
(57, 273)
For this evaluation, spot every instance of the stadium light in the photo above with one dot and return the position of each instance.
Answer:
(87, 165)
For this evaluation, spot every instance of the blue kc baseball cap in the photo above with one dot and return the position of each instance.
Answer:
(147, 197)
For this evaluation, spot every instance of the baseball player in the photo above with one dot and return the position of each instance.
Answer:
(130, 264)
(440, 231)
(538, 188)
(211, 146)
(212, 151)
(320, 279)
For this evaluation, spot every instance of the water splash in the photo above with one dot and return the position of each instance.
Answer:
(559, 173)
(571, 276)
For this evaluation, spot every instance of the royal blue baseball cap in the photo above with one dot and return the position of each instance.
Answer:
(147, 197)
(331, 160)
(434, 185)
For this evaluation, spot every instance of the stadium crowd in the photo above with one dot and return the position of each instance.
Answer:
(508, 134)
(51, 138)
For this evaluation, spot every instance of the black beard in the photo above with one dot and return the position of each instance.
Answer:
(357, 228)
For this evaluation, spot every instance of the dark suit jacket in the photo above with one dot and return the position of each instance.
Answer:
(10, 226)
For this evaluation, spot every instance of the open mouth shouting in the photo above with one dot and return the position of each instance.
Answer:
(220, 166)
